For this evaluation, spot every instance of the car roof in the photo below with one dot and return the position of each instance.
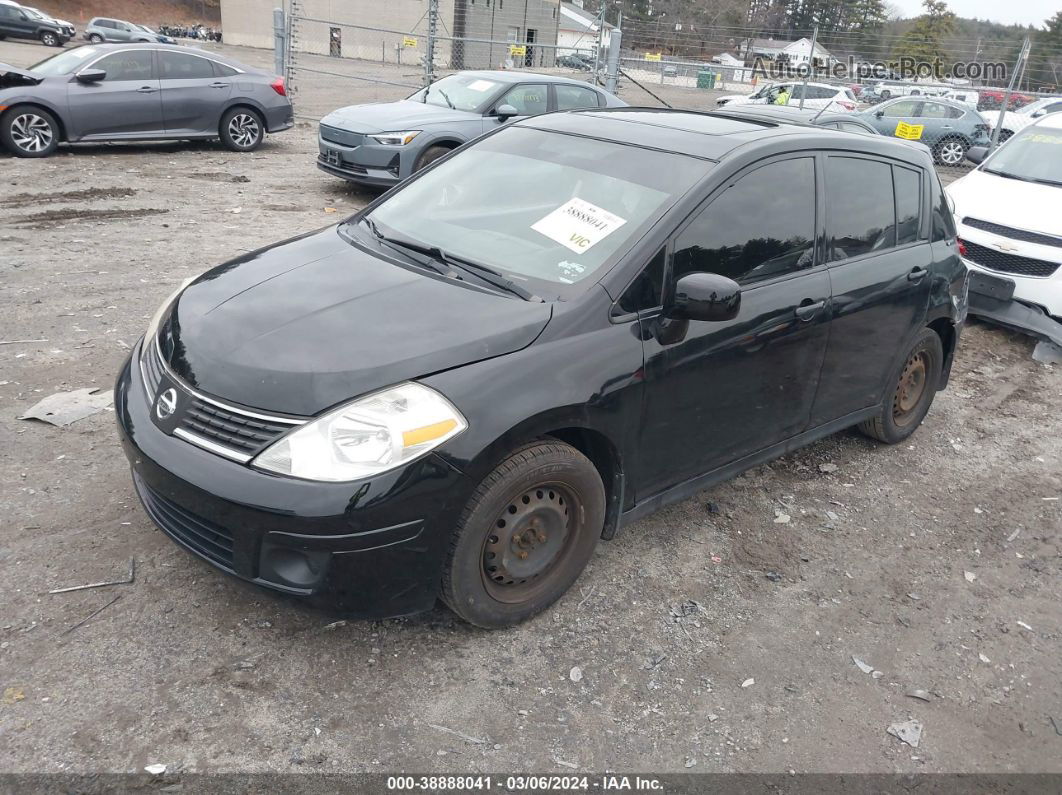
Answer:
(507, 76)
(1052, 120)
(705, 135)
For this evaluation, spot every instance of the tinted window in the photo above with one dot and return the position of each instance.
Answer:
(178, 66)
(943, 223)
(220, 70)
(905, 108)
(6, 11)
(645, 292)
(129, 65)
(908, 204)
(860, 216)
(528, 100)
(569, 97)
(762, 226)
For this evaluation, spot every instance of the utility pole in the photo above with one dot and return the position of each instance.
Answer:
(615, 42)
(1019, 66)
(811, 65)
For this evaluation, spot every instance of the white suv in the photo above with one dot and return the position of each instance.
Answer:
(1009, 215)
(819, 95)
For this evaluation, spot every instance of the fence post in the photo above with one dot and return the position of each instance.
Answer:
(811, 65)
(429, 45)
(1019, 65)
(279, 36)
(613, 60)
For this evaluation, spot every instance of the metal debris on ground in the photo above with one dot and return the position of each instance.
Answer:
(909, 731)
(1047, 352)
(129, 578)
(90, 616)
(63, 408)
(914, 597)
(1023, 625)
(921, 695)
(466, 737)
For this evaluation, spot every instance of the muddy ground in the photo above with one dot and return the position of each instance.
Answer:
(194, 670)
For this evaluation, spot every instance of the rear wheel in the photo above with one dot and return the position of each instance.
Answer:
(50, 39)
(912, 390)
(242, 130)
(29, 132)
(525, 536)
(950, 152)
(96, 38)
(429, 156)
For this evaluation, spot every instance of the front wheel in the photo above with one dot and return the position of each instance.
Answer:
(911, 391)
(525, 536)
(950, 152)
(29, 132)
(96, 38)
(242, 130)
(49, 39)
(430, 155)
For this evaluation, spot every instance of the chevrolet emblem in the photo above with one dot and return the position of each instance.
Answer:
(1005, 246)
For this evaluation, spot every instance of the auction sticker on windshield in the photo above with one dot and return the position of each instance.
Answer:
(578, 225)
(481, 85)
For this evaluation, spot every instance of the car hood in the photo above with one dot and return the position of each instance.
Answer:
(11, 76)
(392, 116)
(315, 321)
(1010, 202)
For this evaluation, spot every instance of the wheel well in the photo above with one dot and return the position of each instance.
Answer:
(946, 331)
(445, 144)
(241, 106)
(606, 459)
(49, 111)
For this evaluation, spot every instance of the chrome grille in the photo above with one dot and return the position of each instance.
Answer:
(1000, 261)
(344, 137)
(1012, 233)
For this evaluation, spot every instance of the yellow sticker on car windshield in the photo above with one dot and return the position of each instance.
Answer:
(578, 225)
(912, 132)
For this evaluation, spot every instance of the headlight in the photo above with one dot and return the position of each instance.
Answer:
(395, 138)
(373, 434)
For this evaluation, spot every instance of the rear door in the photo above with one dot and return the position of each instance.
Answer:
(193, 95)
(878, 259)
(125, 104)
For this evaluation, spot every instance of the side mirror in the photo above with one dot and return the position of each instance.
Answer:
(1039, 113)
(705, 296)
(880, 113)
(976, 154)
(91, 75)
(505, 112)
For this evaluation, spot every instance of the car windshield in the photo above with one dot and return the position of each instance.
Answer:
(548, 210)
(461, 92)
(65, 62)
(1034, 155)
(33, 12)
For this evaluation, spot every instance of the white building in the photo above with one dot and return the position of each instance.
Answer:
(799, 52)
(578, 30)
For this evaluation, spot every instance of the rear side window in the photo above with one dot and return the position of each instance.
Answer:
(760, 227)
(943, 223)
(646, 291)
(570, 97)
(178, 66)
(860, 218)
(220, 70)
(908, 204)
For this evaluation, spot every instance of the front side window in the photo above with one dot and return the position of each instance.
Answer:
(529, 100)
(571, 97)
(860, 216)
(906, 107)
(647, 289)
(757, 228)
(178, 66)
(548, 210)
(129, 65)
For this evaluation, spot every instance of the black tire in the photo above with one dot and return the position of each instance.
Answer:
(1005, 135)
(429, 156)
(525, 536)
(950, 151)
(242, 129)
(96, 38)
(29, 131)
(886, 94)
(50, 39)
(903, 409)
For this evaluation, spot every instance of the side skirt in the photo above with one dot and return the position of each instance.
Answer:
(690, 487)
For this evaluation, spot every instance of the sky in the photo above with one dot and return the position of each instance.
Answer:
(1016, 12)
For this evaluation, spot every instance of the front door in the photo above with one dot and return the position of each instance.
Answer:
(879, 263)
(529, 99)
(126, 103)
(719, 391)
(192, 96)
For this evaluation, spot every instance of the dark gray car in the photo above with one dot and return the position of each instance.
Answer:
(383, 143)
(136, 92)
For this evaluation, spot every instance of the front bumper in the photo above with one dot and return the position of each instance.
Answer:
(369, 549)
(364, 163)
(992, 297)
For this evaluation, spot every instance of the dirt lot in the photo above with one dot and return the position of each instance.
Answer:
(936, 562)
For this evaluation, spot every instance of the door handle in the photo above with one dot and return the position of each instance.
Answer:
(807, 310)
(146, 90)
(917, 274)
(219, 85)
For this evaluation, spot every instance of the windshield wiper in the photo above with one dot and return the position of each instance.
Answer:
(479, 270)
(448, 102)
(396, 243)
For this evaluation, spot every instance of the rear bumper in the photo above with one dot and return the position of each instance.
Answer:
(369, 549)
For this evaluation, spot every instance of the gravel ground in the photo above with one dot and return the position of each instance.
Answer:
(936, 562)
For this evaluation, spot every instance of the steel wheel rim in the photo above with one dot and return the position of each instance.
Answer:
(31, 133)
(244, 129)
(529, 540)
(951, 153)
(911, 389)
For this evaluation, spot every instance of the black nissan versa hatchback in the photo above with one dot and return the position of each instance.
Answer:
(556, 329)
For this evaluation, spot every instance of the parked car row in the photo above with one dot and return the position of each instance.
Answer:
(25, 22)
